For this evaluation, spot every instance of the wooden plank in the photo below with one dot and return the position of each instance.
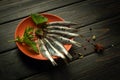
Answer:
(107, 24)
(9, 2)
(7, 33)
(15, 65)
(16, 4)
(106, 33)
(89, 12)
(83, 15)
(94, 67)
(24, 8)
(9, 61)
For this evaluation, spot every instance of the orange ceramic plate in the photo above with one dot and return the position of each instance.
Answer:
(28, 22)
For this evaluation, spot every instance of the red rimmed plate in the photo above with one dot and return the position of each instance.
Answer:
(28, 22)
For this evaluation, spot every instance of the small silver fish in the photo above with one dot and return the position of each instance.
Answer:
(63, 28)
(65, 40)
(54, 51)
(60, 47)
(61, 23)
(63, 33)
(51, 51)
(45, 52)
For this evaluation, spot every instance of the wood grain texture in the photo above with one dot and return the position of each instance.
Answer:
(93, 67)
(89, 12)
(9, 2)
(17, 66)
(24, 8)
(83, 13)
(100, 15)
(106, 33)
(9, 28)
(22, 66)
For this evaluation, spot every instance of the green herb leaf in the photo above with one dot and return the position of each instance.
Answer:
(30, 43)
(38, 19)
(27, 32)
(19, 39)
(27, 39)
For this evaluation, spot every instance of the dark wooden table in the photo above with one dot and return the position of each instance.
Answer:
(102, 16)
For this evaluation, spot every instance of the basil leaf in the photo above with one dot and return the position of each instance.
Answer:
(38, 19)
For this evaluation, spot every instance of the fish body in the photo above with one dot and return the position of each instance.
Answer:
(63, 28)
(45, 52)
(65, 40)
(53, 50)
(63, 33)
(61, 23)
(60, 47)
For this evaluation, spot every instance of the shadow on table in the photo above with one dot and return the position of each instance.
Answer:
(38, 64)
(44, 68)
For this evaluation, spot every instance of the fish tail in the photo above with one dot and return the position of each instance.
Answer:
(81, 36)
(69, 56)
(78, 44)
(63, 57)
(65, 60)
(53, 62)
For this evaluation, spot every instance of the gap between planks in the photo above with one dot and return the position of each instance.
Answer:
(43, 11)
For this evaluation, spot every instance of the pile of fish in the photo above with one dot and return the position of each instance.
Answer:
(57, 34)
